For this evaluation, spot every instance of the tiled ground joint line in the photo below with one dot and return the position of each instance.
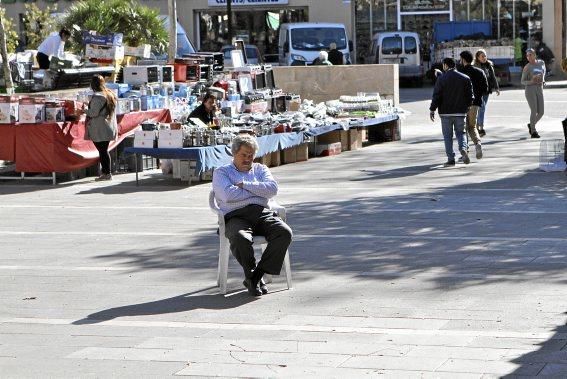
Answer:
(282, 327)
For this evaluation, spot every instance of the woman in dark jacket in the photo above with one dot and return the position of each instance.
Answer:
(101, 126)
(482, 62)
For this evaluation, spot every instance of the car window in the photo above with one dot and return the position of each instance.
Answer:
(251, 52)
(392, 45)
(316, 39)
(410, 45)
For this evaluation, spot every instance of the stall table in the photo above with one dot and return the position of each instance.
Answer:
(211, 157)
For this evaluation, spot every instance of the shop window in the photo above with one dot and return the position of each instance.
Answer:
(259, 28)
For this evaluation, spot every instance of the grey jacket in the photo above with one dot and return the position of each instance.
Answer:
(101, 126)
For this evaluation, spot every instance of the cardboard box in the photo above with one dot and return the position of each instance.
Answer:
(54, 114)
(31, 110)
(289, 155)
(187, 170)
(265, 160)
(325, 150)
(170, 139)
(144, 138)
(302, 152)
(385, 132)
(275, 159)
(148, 143)
(104, 52)
(140, 51)
(355, 139)
(8, 109)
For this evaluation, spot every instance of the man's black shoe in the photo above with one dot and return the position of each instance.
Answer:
(449, 163)
(253, 290)
(263, 287)
(481, 133)
(535, 135)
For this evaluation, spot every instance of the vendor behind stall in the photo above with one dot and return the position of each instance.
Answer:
(206, 111)
(52, 46)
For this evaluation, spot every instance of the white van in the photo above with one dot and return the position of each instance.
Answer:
(300, 43)
(400, 48)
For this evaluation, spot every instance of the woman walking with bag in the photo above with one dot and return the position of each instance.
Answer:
(482, 62)
(533, 77)
(101, 126)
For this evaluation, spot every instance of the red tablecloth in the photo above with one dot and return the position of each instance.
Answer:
(61, 146)
(7, 142)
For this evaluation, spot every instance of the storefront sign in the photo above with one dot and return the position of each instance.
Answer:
(222, 3)
(424, 5)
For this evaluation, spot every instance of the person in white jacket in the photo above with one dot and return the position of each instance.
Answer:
(53, 45)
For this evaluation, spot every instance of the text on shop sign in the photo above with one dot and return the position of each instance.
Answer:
(218, 3)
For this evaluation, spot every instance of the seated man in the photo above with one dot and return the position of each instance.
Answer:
(242, 190)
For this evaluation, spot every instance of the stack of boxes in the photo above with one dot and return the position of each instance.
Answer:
(105, 49)
(8, 109)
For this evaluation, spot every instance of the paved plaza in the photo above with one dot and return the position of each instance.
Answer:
(401, 268)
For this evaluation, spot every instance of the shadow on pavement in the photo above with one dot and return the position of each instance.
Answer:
(182, 303)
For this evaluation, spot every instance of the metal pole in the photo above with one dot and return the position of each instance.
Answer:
(229, 20)
(514, 28)
(498, 18)
(370, 9)
(172, 12)
(529, 24)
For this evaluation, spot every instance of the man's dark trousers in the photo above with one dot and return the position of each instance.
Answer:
(240, 227)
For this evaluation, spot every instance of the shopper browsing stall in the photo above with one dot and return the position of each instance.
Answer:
(54, 45)
(101, 126)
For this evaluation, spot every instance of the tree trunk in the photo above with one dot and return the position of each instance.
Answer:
(5, 64)
(172, 49)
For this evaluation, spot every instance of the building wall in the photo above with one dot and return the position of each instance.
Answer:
(338, 11)
(553, 31)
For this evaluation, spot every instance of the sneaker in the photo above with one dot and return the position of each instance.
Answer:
(465, 155)
(449, 163)
(478, 148)
(535, 135)
(481, 132)
(104, 177)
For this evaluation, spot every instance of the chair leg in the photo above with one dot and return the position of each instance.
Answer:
(267, 277)
(224, 254)
(287, 266)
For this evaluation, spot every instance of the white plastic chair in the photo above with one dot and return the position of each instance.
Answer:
(224, 245)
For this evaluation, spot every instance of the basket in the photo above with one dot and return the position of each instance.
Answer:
(552, 155)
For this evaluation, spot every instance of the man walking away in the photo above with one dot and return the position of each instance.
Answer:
(480, 88)
(452, 97)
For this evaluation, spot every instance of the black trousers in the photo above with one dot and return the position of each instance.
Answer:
(240, 227)
(104, 156)
(42, 60)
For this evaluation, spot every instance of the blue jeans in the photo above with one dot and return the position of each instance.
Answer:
(481, 110)
(448, 123)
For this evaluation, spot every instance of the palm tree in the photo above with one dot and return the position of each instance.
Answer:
(139, 24)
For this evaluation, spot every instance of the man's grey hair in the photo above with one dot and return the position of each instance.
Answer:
(323, 55)
(332, 46)
(244, 140)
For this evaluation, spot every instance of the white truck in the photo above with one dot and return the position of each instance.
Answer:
(301, 42)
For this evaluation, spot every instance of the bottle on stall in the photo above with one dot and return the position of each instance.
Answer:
(144, 90)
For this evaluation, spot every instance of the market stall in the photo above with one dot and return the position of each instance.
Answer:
(60, 146)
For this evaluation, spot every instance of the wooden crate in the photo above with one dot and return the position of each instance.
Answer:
(265, 160)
